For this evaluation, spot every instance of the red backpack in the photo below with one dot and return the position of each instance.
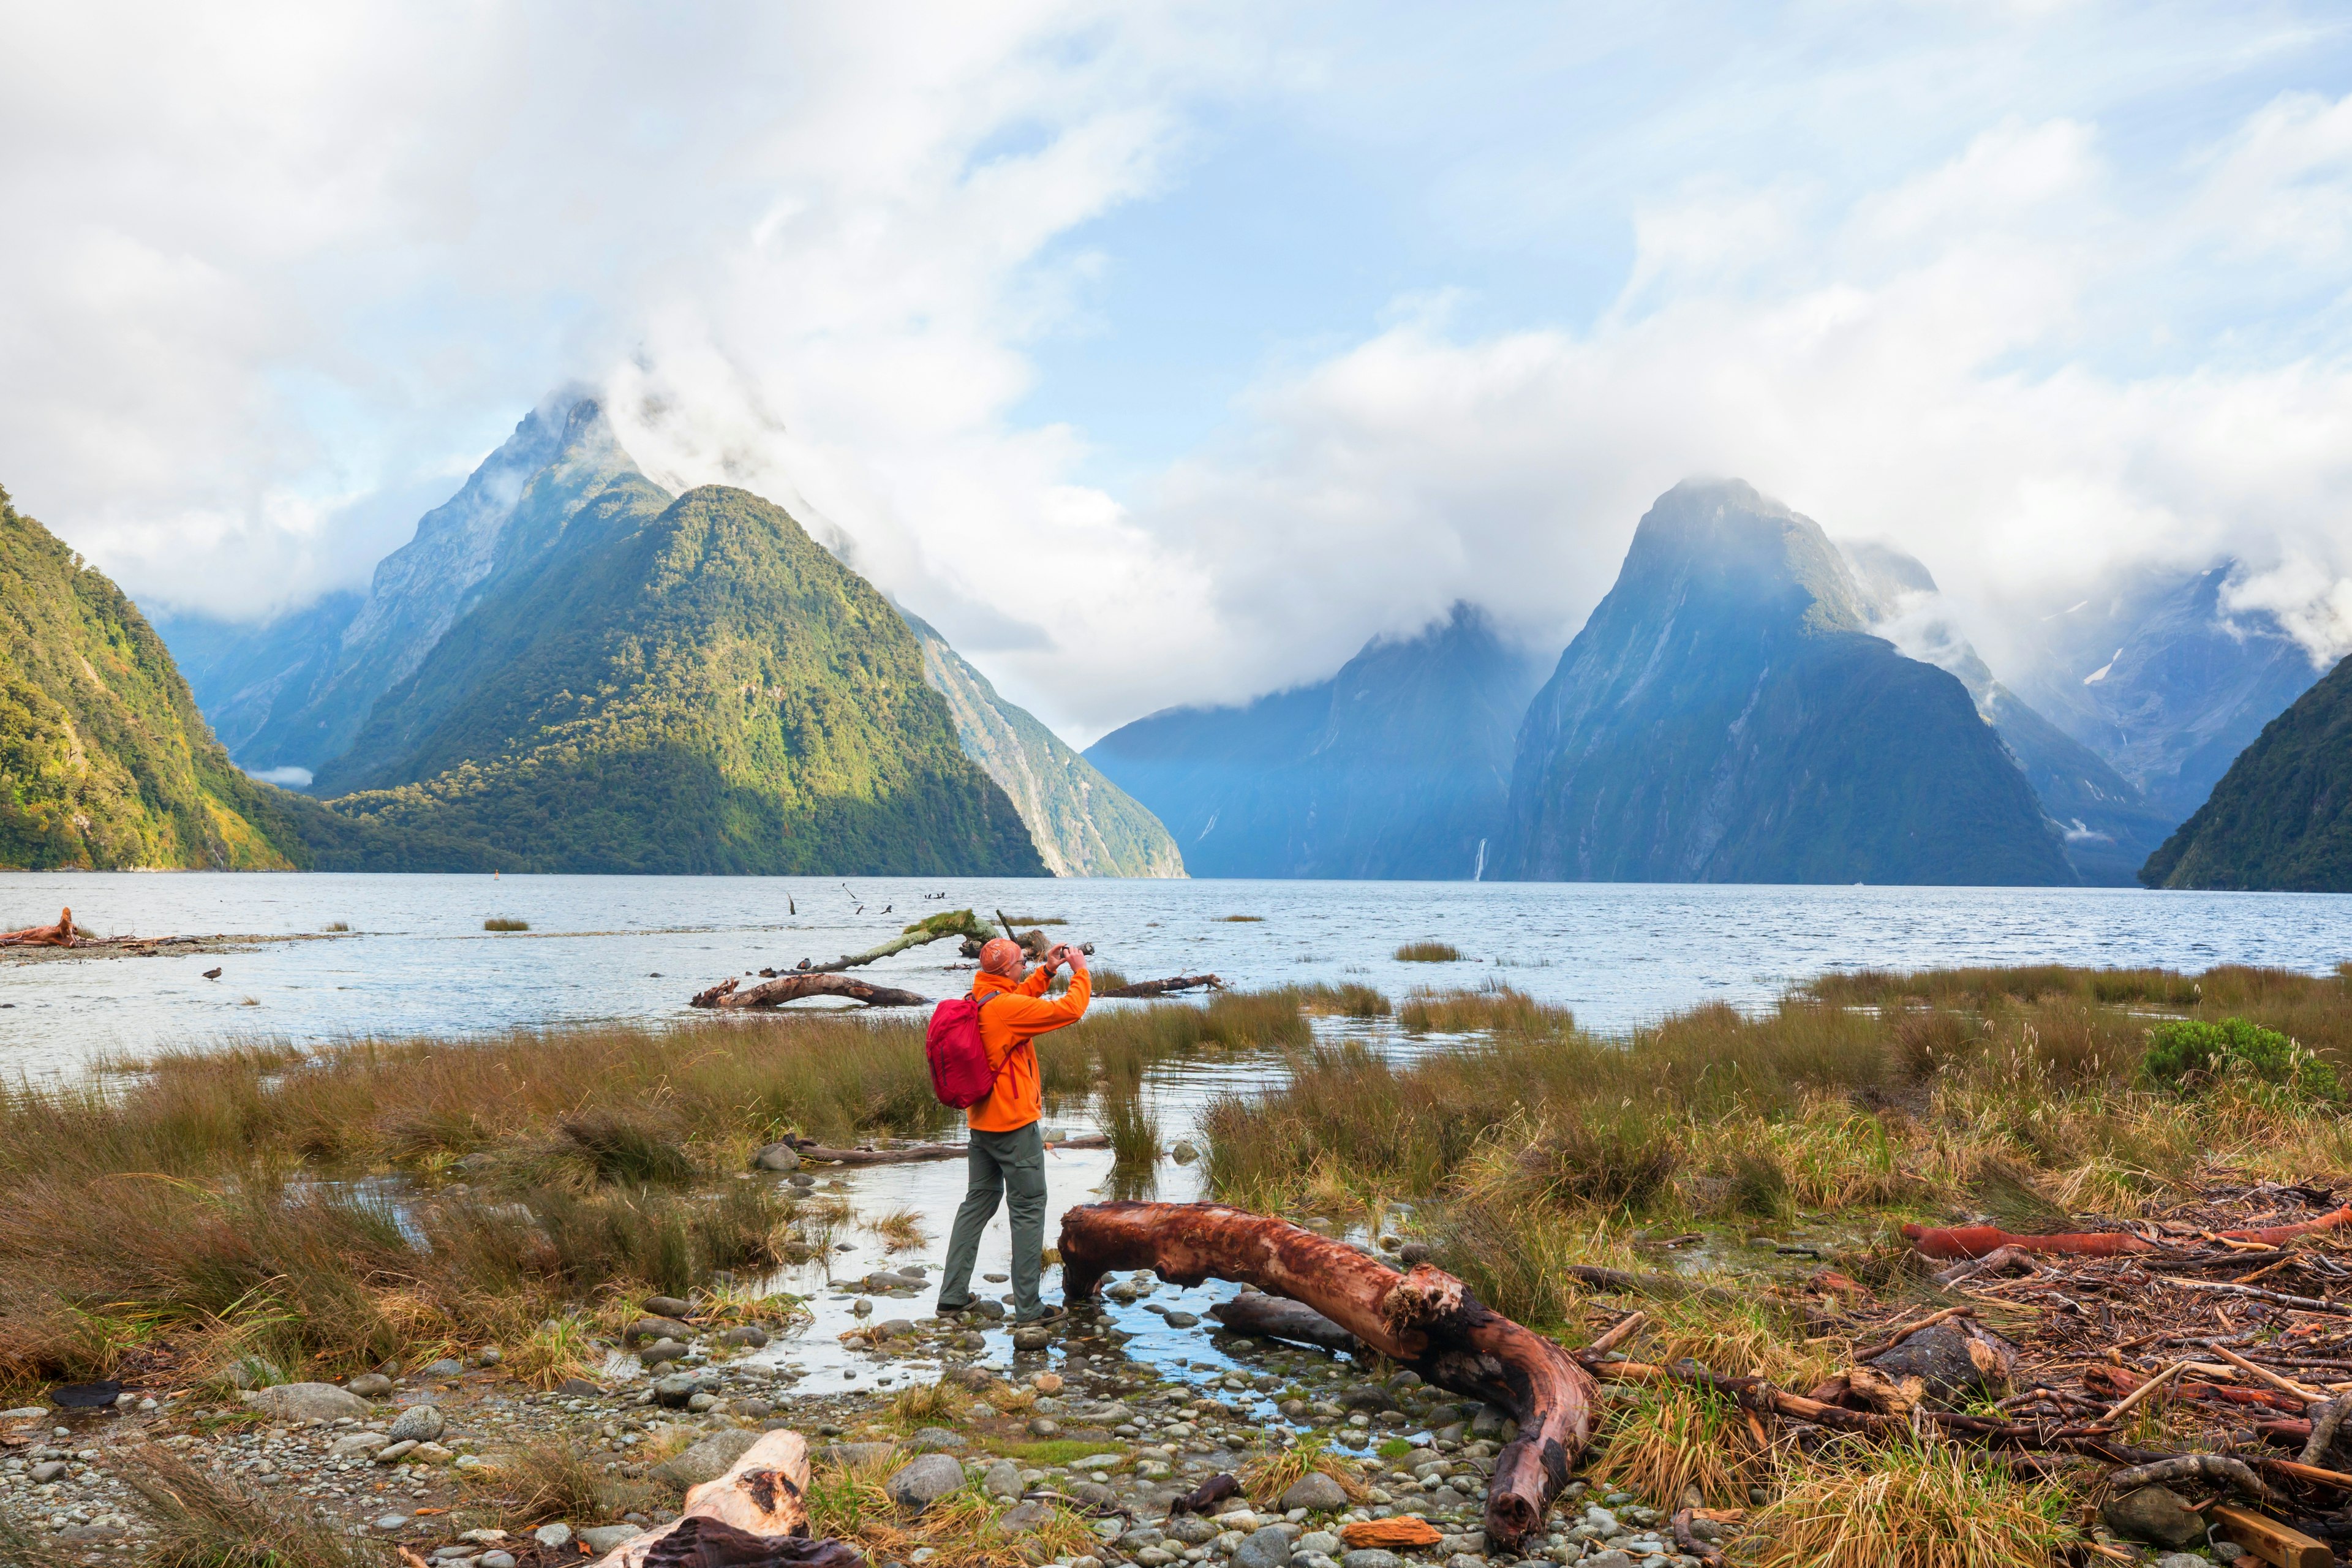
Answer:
(960, 1076)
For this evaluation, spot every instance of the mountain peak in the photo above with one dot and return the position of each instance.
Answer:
(1724, 541)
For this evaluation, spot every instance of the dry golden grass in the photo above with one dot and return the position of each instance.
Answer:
(899, 1229)
(1665, 1441)
(550, 1479)
(1269, 1474)
(1428, 952)
(929, 1404)
(852, 1503)
(195, 1519)
(1906, 1506)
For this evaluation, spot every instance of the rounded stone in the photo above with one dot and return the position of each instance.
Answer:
(1269, 1547)
(924, 1480)
(672, 1393)
(370, 1385)
(1002, 1480)
(1371, 1557)
(308, 1402)
(1316, 1492)
(417, 1424)
(552, 1536)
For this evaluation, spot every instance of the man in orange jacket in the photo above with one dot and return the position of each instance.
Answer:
(1008, 1152)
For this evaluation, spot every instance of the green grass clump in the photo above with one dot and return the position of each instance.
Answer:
(503, 922)
(1428, 952)
(2194, 1052)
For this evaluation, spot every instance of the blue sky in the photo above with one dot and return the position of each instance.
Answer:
(1278, 328)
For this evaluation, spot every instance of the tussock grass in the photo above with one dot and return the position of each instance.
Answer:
(1669, 1440)
(899, 1229)
(1347, 1000)
(336, 926)
(1268, 1476)
(1428, 952)
(1903, 1505)
(930, 1404)
(549, 1481)
(196, 1519)
(502, 922)
(853, 1503)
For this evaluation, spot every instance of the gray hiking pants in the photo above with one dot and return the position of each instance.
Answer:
(1011, 1165)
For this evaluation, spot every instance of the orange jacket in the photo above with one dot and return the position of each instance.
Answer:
(1006, 1027)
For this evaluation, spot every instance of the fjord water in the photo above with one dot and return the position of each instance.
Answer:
(417, 960)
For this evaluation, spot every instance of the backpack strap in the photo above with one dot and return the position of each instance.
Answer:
(977, 1003)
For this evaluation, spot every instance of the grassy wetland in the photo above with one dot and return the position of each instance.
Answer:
(1737, 1179)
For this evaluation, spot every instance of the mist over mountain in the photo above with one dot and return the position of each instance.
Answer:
(2107, 824)
(1725, 715)
(1397, 766)
(2281, 816)
(2157, 676)
(1083, 825)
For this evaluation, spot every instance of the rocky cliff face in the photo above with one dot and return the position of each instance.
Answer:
(1397, 767)
(2281, 816)
(1726, 716)
(1083, 825)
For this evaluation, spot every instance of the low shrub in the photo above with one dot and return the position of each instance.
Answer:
(2190, 1053)
(1428, 952)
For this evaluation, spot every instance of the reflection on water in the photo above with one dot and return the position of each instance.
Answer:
(637, 947)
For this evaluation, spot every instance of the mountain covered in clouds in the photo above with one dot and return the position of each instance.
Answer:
(2161, 678)
(2107, 824)
(2281, 816)
(1083, 825)
(1397, 766)
(1726, 715)
(569, 669)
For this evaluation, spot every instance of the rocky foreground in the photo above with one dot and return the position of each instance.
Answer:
(1072, 1429)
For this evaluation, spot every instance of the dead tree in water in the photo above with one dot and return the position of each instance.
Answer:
(792, 987)
(1424, 1319)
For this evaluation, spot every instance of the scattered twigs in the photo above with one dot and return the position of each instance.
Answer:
(2137, 1397)
(1687, 1543)
(2284, 1385)
(1616, 1334)
(1167, 987)
(2325, 1423)
(61, 934)
(1899, 1335)
(1977, 1240)
(2253, 1293)
(815, 982)
(2000, 1261)
(1424, 1319)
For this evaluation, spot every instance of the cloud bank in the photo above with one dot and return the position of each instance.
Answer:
(279, 275)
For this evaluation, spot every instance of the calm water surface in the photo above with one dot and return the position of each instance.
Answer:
(637, 947)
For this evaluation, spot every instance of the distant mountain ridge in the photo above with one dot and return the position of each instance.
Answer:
(1083, 825)
(105, 763)
(2280, 818)
(1397, 766)
(1725, 716)
(2107, 826)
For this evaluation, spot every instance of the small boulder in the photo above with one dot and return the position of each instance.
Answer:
(447, 1367)
(1950, 1358)
(2155, 1513)
(602, 1538)
(1031, 1337)
(1269, 1547)
(370, 1385)
(417, 1424)
(1316, 1492)
(1044, 1427)
(1192, 1530)
(659, 1352)
(308, 1402)
(1002, 1480)
(656, 1328)
(706, 1460)
(1367, 1396)
(392, 1454)
(924, 1480)
(553, 1537)
(746, 1337)
(782, 1158)
(667, 1307)
(672, 1393)
(1371, 1557)
(935, 1440)
(894, 1329)
(1022, 1517)
(496, 1560)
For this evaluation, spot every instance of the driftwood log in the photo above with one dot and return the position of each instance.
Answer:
(938, 927)
(61, 934)
(1167, 987)
(1982, 1241)
(1424, 1319)
(1276, 1318)
(792, 987)
(754, 1516)
(910, 1153)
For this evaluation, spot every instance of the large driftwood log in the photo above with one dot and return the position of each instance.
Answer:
(1982, 1241)
(1424, 1319)
(1167, 987)
(909, 1154)
(1277, 1318)
(792, 987)
(937, 928)
(754, 1516)
(61, 934)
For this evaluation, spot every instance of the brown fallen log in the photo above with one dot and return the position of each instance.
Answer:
(61, 934)
(915, 1153)
(753, 1516)
(1424, 1319)
(1979, 1240)
(792, 987)
(1276, 1318)
(1167, 987)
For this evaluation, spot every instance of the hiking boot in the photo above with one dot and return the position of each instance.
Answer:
(1042, 1315)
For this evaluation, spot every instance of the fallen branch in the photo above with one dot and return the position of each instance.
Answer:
(2216, 1470)
(1424, 1319)
(753, 1516)
(61, 934)
(913, 1153)
(1167, 987)
(1276, 1318)
(1979, 1240)
(938, 927)
(2324, 1424)
(792, 987)
(2253, 1293)
(1687, 1543)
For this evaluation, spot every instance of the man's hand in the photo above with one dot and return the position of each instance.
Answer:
(1074, 955)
